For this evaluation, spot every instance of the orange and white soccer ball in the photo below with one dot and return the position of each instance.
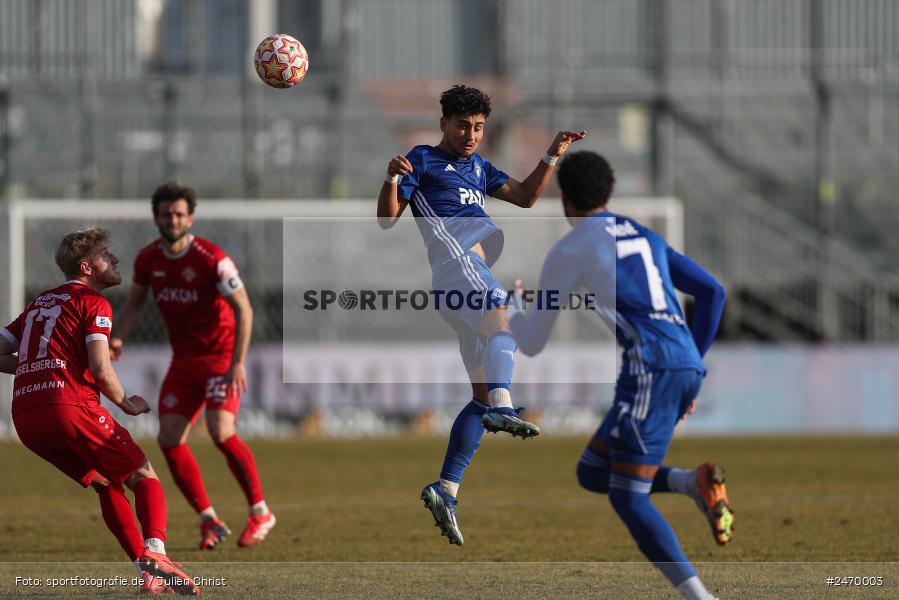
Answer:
(281, 61)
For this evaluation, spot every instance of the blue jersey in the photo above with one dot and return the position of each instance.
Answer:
(644, 311)
(447, 195)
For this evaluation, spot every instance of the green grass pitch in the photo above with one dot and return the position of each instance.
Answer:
(350, 524)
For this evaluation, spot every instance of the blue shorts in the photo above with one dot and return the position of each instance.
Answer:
(466, 289)
(647, 407)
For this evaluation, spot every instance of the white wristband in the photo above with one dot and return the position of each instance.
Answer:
(392, 178)
(550, 160)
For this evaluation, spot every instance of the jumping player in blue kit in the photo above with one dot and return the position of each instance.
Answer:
(446, 185)
(634, 273)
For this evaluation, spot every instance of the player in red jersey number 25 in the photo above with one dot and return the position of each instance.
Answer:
(209, 319)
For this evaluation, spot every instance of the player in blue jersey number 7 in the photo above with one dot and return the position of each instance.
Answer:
(661, 369)
(446, 185)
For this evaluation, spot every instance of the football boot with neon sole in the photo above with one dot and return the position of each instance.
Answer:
(717, 508)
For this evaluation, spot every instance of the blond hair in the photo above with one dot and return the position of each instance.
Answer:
(79, 246)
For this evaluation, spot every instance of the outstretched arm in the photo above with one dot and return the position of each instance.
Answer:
(390, 206)
(709, 296)
(525, 193)
(557, 280)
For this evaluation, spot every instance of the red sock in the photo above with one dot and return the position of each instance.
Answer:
(116, 511)
(150, 503)
(243, 466)
(186, 473)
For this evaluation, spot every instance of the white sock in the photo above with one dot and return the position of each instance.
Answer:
(499, 398)
(207, 513)
(154, 545)
(450, 487)
(260, 508)
(682, 481)
(692, 589)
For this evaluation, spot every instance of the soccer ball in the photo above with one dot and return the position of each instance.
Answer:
(281, 61)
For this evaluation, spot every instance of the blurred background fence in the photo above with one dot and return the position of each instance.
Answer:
(776, 122)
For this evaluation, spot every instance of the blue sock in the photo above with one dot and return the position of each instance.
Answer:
(499, 360)
(465, 437)
(655, 538)
(593, 474)
(660, 481)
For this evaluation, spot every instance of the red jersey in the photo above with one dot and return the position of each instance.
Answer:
(51, 337)
(190, 289)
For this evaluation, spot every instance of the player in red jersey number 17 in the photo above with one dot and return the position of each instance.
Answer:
(58, 350)
(208, 316)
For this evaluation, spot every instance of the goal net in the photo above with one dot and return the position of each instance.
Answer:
(324, 374)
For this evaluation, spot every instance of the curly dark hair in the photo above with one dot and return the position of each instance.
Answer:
(171, 191)
(464, 101)
(586, 179)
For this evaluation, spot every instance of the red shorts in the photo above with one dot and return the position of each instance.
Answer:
(193, 382)
(80, 441)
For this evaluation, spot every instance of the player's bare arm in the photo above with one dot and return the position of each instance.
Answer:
(525, 193)
(125, 322)
(390, 206)
(8, 359)
(236, 376)
(108, 383)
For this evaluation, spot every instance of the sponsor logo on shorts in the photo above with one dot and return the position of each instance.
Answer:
(170, 400)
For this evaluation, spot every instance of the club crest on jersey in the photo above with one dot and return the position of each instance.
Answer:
(170, 400)
(188, 274)
(103, 322)
(477, 170)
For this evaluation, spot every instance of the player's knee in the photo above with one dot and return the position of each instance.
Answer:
(219, 438)
(168, 439)
(629, 504)
(98, 482)
(593, 478)
(493, 321)
(144, 472)
(220, 434)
